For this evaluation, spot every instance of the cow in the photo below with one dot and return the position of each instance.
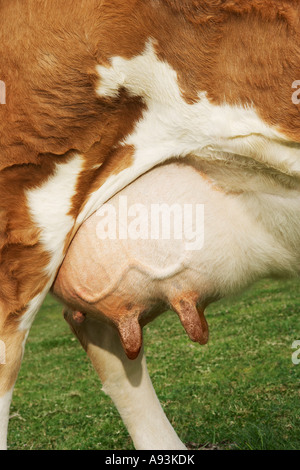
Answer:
(98, 93)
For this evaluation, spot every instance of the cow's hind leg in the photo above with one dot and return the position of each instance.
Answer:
(12, 348)
(128, 384)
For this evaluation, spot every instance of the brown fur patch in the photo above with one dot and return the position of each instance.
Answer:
(205, 11)
(230, 58)
(121, 159)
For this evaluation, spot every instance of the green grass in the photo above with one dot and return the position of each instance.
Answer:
(241, 391)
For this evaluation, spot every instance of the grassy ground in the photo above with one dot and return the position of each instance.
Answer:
(241, 391)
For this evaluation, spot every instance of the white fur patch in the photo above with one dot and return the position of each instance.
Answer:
(33, 307)
(172, 127)
(49, 206)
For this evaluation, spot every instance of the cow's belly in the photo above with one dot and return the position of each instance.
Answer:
(126, 264)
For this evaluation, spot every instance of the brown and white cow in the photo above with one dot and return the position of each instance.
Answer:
(100, 92)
